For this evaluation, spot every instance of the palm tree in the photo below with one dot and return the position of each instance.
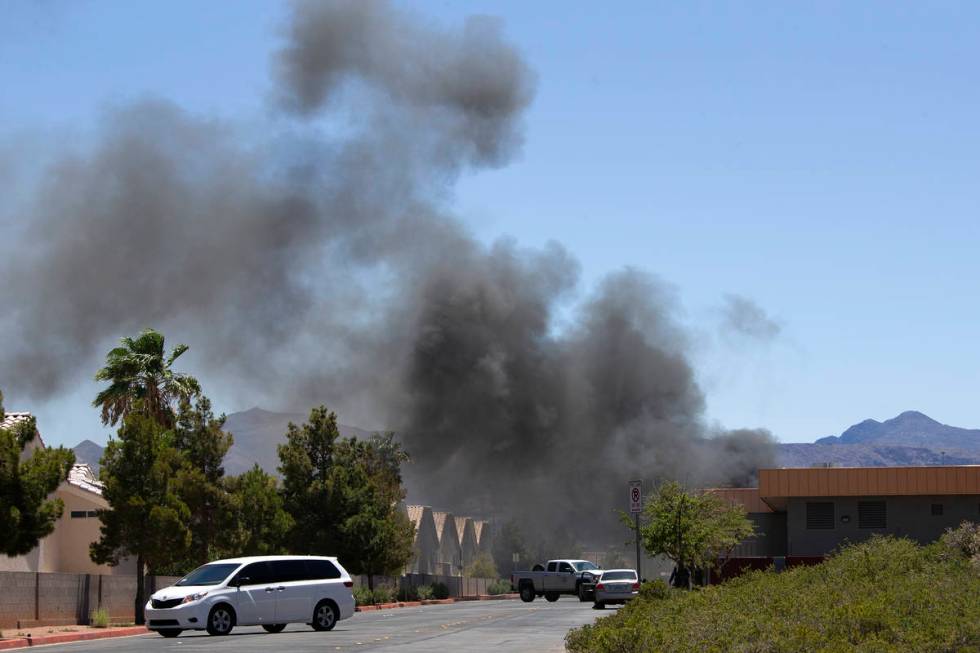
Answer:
(140, 375)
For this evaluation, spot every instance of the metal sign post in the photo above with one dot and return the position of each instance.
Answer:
(636, 507)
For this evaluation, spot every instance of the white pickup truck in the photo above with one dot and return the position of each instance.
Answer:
(556, 578)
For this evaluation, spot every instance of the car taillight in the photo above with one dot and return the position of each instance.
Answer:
(636, 586)
(348, 583)
(600, 586)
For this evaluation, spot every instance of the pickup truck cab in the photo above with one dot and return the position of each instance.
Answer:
(555, 578)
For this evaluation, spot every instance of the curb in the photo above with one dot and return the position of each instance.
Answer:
(63, 638)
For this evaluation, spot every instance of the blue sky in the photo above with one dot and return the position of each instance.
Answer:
(820, 159)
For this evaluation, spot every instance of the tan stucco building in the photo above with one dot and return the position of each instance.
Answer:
(67, 548)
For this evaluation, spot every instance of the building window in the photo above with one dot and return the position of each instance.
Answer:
(93, 513)
(78, 514)
(937, 510)
(872, 514)
(819, 515)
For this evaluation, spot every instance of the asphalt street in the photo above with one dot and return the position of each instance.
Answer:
(467, 627)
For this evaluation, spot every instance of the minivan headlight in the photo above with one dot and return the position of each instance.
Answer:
(190, 598)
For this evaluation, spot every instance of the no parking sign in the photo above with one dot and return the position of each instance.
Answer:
(636, 497)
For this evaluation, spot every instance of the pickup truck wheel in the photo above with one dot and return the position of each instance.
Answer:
(551, 597)
(527, 593)
(598, 605)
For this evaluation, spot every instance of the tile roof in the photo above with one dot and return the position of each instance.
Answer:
(82, 476)
(13, 419)
(478, 526)
(415, 514)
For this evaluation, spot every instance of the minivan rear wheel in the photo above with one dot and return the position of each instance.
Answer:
(274, 628)
(172, 632)
(324, 616)
(221, 620)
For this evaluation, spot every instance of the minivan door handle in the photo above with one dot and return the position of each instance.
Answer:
(281, 588)
(270, 589)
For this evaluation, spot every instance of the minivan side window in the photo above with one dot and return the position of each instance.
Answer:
(321, 569)
(552, 566)
(284, 571)
(257, 573)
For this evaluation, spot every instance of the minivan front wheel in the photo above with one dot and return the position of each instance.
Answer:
(221, 620)
(274, 628)
(325, 616)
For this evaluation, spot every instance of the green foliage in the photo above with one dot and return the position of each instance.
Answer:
(481, 567)
(343, 495)
(99, 618)
(508, 541)
(885, 594)
(139, 373)
(146, 518)
(200, 483)
(692, 529)
(26, 513)
(440, 591)
(376, 596)
(261, 524)
(410, 593)
(424, 592)
(499, 586)
(965, 541)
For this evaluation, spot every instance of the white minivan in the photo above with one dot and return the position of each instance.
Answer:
(267, 591)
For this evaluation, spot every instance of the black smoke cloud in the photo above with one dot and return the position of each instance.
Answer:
(319, 264)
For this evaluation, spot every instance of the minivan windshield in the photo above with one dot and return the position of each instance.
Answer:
(208, 574)
(584, 566)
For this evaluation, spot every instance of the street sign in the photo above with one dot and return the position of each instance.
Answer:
(636, 497)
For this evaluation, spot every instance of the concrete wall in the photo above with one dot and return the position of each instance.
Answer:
(770, 538)
(36, 599)
(907, 516)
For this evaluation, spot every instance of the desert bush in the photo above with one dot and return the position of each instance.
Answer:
(363, 596)
(99, 618)
(499, 586)
(440, 591)
(885, 594)
(424, 592)
(409, 593)
(482, 566)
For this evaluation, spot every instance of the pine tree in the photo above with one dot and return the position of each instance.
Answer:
(146, 518)
(26, 513)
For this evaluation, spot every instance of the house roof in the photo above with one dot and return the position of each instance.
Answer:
(478, 525)
(11, 420)
(461, 527)
(777, 485)
(82, 476)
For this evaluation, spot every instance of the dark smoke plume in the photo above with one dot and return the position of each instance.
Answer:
(319, 265)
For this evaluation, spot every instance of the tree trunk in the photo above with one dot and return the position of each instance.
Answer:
(371, 582)
(139, 619)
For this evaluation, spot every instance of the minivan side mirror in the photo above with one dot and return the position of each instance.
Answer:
(241, 580)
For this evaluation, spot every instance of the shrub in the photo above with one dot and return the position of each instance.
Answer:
(99, 618)
(383, 594)
(409, 593)
(500, 586)
(424, 592)
(481, 567)
(885, 594)
(440, 591)
(363, 596)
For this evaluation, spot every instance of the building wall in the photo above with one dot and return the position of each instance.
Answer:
(907, 516)
(770, 537)
(66, 549)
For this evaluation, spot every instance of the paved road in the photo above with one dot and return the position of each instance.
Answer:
(470, 627)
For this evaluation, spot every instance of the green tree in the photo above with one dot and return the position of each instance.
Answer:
(261, 524)
(343, 496)
(146, 518)
(199, 438)
(26, 513)
(481, 567)
(306, 462)
(507, 542)
(694, 529)
(374, 537)
(139, 373)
